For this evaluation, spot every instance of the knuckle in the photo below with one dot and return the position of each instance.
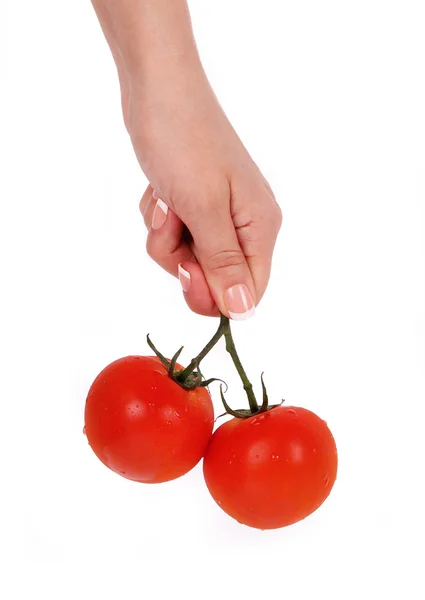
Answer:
(278, 219)
(274, 212)
(225, 259)
(269, 189)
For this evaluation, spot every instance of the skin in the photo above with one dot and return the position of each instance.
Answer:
(191, 156)
(271, 470)
(143, 425)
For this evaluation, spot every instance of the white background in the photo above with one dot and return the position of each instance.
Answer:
(329, 97)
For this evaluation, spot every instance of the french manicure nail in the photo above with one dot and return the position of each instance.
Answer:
(159, 214)
(184, 278)
(239, 303)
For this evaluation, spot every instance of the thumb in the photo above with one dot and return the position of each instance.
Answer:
(217, 249)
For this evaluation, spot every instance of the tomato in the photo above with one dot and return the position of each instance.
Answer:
(143, 425)
(272, 469)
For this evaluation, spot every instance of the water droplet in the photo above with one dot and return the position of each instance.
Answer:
(275, 457)
(230, 462)
(257, 420)
(219, 502)
(185, 409)
(178, 415)
(257, 456)
(292, 411)
(314, 450)
(168, 422)
(84, 430)
(123, 472)
(325, 480)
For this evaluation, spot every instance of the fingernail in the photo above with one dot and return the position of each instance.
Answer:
(159, 214)
(239, 303)
(184, 278)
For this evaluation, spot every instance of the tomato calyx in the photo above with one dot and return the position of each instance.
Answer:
(243, 413)
(191, 377)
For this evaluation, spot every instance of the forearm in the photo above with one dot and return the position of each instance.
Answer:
(148, 36)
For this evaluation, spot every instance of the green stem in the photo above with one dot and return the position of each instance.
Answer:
(230, 347)
(188, 380)
(194, 363)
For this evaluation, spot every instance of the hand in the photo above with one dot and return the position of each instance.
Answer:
(211, 215)
(212, 218)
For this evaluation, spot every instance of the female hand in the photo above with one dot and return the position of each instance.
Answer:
(211, 215)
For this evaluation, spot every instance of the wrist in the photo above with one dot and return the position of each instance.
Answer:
(162, 65)
(148, 36)
(173, 93)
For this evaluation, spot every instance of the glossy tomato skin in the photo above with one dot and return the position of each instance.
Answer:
(143, 425)
(273, 469)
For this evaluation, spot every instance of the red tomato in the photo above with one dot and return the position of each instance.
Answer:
(143, 425)
(272, 469)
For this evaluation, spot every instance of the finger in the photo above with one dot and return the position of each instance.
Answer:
(146, 198)
(258, 240)
(148, 204)
(164, 242)
(166, 247)
(148, 213)
(195, 289)
(222, 259)
(153, 209)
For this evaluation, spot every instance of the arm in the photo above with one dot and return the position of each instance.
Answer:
(150, 40)
(202, 178)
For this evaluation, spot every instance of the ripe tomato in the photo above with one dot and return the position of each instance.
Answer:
(143, 425)
(272, 469)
